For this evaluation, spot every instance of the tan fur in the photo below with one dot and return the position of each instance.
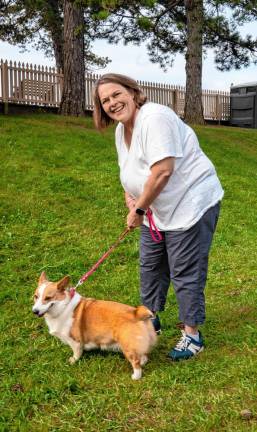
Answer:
(100, 324)
(105, 323)
(51, 291)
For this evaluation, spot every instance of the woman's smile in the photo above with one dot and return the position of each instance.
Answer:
(117, 110)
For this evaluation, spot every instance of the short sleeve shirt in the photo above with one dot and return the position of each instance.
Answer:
(193, 186)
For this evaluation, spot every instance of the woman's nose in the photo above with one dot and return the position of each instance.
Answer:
(112, 101)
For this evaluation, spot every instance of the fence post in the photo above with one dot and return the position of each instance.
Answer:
(4, 69)
(218, 114)
(175, 101)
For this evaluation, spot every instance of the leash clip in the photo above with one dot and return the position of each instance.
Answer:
(78, 284)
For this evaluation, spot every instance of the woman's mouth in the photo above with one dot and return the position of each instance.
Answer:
(117, 110)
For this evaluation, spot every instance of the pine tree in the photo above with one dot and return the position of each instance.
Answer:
(187, 27)
(40, 23)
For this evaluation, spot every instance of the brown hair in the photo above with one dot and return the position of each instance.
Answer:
(101, 119)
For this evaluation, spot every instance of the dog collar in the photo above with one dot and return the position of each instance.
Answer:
(72, 292)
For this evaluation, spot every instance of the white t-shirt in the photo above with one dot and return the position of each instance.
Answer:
(193, 186)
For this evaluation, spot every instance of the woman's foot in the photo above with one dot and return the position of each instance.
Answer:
(186, 348)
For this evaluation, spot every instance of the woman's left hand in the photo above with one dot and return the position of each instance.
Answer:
(133, 219)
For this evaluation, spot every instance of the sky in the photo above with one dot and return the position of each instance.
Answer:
(133, 61)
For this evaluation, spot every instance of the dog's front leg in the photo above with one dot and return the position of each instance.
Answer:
(77, 349)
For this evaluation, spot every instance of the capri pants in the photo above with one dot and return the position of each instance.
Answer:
(181, 258)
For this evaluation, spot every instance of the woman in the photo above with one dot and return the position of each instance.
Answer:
(163, 168)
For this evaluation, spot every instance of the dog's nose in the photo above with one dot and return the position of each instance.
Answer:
(35, 311)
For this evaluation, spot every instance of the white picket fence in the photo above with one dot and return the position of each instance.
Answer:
(38, 85)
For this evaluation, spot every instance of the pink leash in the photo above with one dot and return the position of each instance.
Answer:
(153, 227)
(103, 257)
(157, 239)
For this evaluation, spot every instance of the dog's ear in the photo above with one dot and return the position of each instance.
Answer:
(63, 283)
(43, 278)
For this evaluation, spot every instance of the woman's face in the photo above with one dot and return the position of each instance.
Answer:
(117, 102)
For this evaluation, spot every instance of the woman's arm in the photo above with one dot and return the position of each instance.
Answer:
(130, 201)
(159, 177)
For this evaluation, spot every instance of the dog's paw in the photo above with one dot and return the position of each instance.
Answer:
(72, 360)
(137, 374)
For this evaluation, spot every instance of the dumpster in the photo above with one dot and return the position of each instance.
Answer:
(243, 105)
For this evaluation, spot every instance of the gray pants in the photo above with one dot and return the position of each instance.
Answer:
(181, 258)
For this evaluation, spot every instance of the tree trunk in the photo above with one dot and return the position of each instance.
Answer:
(58, 51)
(55, 26)
(193, 105)
(73, 96)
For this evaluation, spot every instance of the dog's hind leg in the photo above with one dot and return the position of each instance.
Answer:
(134, 360)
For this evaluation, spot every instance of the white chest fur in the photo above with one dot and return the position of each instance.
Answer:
(60, 326)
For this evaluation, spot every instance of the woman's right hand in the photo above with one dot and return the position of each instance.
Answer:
(133, 219)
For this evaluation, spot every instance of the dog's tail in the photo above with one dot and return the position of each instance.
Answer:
(142, 313)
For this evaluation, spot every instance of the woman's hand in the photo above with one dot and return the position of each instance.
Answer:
(133, 219)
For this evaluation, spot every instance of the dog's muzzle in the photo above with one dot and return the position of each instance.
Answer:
(38, 312)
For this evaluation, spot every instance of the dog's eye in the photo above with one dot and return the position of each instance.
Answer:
(47, 298)
(35, 297)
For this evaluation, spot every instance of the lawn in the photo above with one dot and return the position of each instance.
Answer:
(61, 208)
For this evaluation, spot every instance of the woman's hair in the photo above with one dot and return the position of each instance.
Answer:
(101, 119)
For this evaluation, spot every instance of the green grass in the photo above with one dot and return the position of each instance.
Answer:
(61, 208)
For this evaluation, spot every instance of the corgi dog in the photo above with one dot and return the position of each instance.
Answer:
(87, 323)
